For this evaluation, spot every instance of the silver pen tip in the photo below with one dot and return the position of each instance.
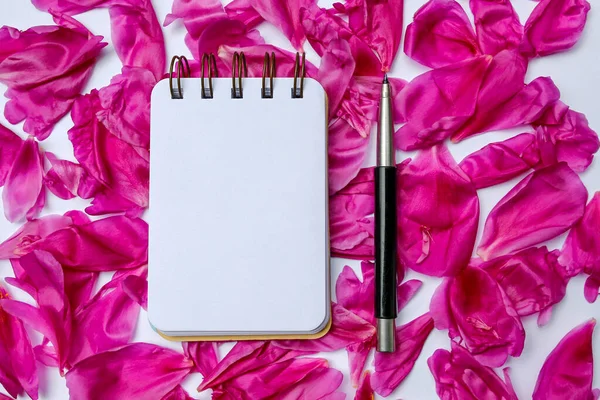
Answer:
(385, 79)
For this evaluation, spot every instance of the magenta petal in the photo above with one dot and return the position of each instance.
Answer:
(79, 286)
(347, 150)
(45, 68)
(203, 354)
(346, 329)
(107, 244)
(335, 72)
(24, 183)
(554, 26)
(285, 15)
(501, 161)
(18, 370)
(567, 373)
(437, 232)
(67, 179)
(440, 35)
(321, 383)
(590, 290)
(364, 391)
(392, 368)
(357, 296)
(477, 313)
(136, 287)
(581, 251)
(357, 358)
(532, 279)
(497, 24)
(178, 393)
(242, 10)
(460, 376)
(10, 144)
(513, 224)
(137, 371)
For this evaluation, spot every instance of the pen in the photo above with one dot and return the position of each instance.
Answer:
(386, 308)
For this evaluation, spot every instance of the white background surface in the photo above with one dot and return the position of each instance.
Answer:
(576, 73)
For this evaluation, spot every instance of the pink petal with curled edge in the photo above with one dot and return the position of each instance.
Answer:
(67, 179)
(437, 103)
(21, 242)
(512, 225)
(379, 24)
(178, 393)
(347, 150)
(321, 383)
(590, 290)
(45, 68)
(392, 368)
(364, 391)
(24, 183)
(44, 276)
(138, 371)
(568, 369)
(335, 72)
(79, 286)
(203, 354)
(285, 15)
(244, 358)
(10, 144)
(242, 10)
(136, 287)
(501, 161)
(195, 16)
(441, 34)
(18, 370)
(581, 251)
(108, 244)
(478, 314)
(554, 26)
(143, 47)
(346, 329)
(357, 358)
(497, 25)
(126, 106)
(532, 279)
(437, 230)
(69, 7)
(460, 376)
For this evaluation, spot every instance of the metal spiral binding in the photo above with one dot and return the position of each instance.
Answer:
(238, 64)
(183, 69)
(299, 73)
(209, 62)
(268, 70)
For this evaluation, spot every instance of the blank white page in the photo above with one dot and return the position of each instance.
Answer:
(238, 211)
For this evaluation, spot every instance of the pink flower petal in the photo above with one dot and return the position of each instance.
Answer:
(68, 7)
(497, 25)
(477, 313)
(79, 286)
(67, 179)
(501, 161)
(347, 150)
(436, 231)
(137, 371)
(441, 34)
(178, 393)
(532, 279)
(203, 354)
(581, 251)
(18, 370)
(285, 15)
(107, 244)
(460, 376)
(136, 287)
(346, 329)
(554, 26)
(10, 144)
(568, 370)
(357, 358)
(24, 189)
(242, 10)
(144, 46)
(392, 368)
(255, 55)
(335, 72)
(364, 391)
(590, 290)
(512, 225)
(321, 384)
(45, 68)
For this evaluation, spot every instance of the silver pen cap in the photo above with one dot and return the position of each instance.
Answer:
(386, 335)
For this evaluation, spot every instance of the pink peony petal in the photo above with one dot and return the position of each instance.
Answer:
(255, 55)
(136, 287)
(392, 368)
(581, 251)
(242, 10)
(346, 329)
(335, 72)
(10, 144)
(67, 179)
(532, 279)
(18, 370)
(69, 7)
(107, 244)
(24, 187)
(178, 393)
(501, 161)
(321, 384)
(45, 68)
(79, 286)
(347, 151)
(203, 354)
(364, 391)
(497, 25)
(554, 26)
(460, 376)
(437, 231)
(477, 313)
(590, 290)
(406, 291)
(357, 358)
(138, 371)
(440, 35)
(512, 225)
(285, 15)
(567, 373)
(144, 46)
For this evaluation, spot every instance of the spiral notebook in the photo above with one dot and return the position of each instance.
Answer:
(239, 245)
